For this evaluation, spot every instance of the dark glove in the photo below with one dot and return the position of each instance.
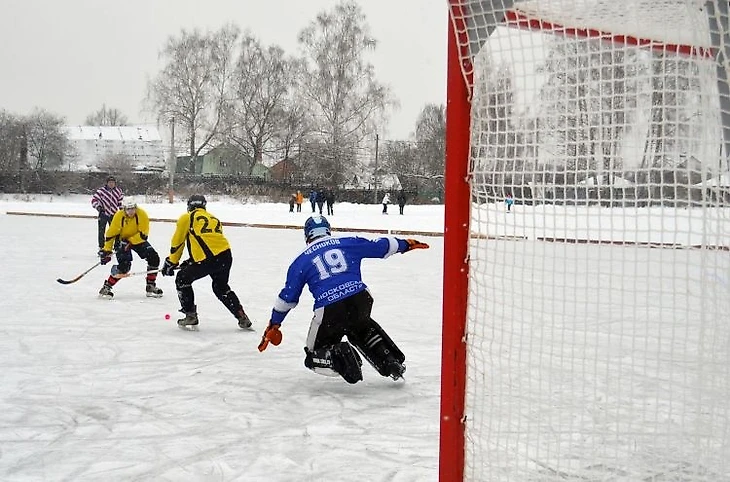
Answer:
(100, 209)
(272, 335)
(124, 246)
(105, 256)
(168, 268)
(415, 244)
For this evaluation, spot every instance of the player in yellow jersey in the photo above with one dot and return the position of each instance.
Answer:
(128, 230)
(210, 255)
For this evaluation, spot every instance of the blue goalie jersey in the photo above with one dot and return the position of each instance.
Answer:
(330, 266)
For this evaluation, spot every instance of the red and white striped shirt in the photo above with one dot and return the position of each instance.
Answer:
(110, 200)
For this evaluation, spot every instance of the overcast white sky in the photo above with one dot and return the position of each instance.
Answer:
(72, 56)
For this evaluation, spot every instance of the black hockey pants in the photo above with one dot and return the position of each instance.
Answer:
(351, 317)
(219, 269)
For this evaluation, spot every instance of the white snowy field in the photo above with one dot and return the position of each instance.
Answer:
(587, 362)
(95, 389)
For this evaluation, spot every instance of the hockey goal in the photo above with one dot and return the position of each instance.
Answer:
(586, 330)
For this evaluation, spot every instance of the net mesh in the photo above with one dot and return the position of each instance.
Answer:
(599, 291)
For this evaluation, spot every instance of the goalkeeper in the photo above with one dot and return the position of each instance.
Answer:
(330, 266)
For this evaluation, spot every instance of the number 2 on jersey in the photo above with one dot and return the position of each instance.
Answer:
(205, 229)
(330, 262)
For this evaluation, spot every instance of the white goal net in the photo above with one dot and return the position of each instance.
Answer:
(598, 325)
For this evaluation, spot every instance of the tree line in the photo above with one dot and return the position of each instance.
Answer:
(320, 106)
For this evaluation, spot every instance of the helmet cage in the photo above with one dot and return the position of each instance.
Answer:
(316, 227)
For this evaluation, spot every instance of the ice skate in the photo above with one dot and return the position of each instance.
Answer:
(153, 291)
(396, 370)
(106, 291)
(244, 322)
(189, 322)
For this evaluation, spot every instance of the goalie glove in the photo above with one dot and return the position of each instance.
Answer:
(414, 244)
(272, 335)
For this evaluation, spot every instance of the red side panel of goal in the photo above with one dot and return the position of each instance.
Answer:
(456, 272)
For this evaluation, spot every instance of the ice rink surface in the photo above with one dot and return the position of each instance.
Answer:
(98, 389)
(583, 339)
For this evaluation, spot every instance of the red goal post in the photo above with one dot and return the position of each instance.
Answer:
(641, 168)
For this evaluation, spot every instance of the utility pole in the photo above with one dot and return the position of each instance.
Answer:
(375, 173)
(173, 163)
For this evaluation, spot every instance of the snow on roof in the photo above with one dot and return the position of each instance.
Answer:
(614, 181)
(723, 180)
(91, 146)
(118, 133)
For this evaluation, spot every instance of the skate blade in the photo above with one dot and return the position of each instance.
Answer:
(188, 327)
(154, 295)
(248, 328)
(106, 297)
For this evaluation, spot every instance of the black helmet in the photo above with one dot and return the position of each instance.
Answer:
(196, 201)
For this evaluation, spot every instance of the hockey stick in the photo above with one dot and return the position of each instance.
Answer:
(135, 273)
(74, 280)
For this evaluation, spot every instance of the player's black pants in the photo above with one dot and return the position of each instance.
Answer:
(145, 251)
(104, 221)
(124, 261)
(351, 317)
(347, 316)
(219, 269)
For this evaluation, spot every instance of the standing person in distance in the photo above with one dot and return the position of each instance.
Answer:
(300, 200)
(292, 201)
(330, 266)
(107, 200)
(320, 199)
(313, 199)
(329, 199)
(385, 202)
(509, 201)
(210, 255)
(401, 200)
(129, 230)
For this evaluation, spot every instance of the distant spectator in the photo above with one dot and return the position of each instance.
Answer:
(329, 199)
(320, 200)
(386, 201)
(300, 200)
(107, 200)
(401, 200)
(292, 201)
(313, 198)
(509, 201)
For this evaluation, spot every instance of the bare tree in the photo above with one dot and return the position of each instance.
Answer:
(431, 140)
(106, 117)
(419, 164)
(295, 125)
(345, 99)
(590, 97)
(47, 143)
(192, 86)
(258, 105)
(12, 140)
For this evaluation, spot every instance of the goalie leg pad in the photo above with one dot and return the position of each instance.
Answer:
(339, 359)
(379, 350)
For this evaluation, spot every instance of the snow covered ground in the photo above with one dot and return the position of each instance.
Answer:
(582, 339)
(95, 389)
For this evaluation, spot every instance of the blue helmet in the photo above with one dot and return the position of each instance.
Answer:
(316, 227)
